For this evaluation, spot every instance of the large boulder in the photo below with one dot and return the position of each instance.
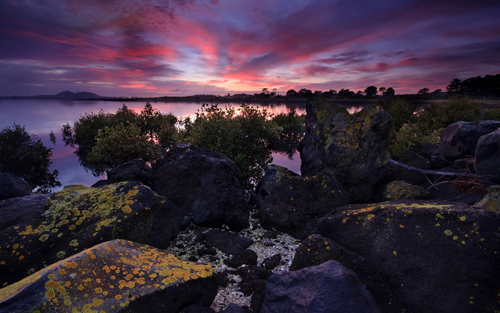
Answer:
(75, 219)
(205, 185)
(487, 163)
(421, 256)
(12, 186)
(354, 146)
(115, 276)
(293, 201)
(18, 211)
(328, 287)
(135, 170)
(459, 139)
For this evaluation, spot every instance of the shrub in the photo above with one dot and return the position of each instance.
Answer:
(25, 156)
(244, 135)
(400, 109)
(292, 131)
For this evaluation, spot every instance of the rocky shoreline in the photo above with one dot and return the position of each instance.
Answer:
(355, 232)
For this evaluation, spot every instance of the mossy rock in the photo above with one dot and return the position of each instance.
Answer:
(490, 202)
(421, 255)
(75, 219)
(397, 190)
(115, 276)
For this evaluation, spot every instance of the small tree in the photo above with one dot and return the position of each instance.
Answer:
(389, 92)
(25, 156)
(371, 91)
(423, 91)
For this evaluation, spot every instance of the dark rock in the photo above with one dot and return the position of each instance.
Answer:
(233, 308)
(271, 262)
(488, 158)
(272, 176)
(199, 308)
(19, 211)
(450, 248)
(426, 149)
(114, 276)
(438, 161)
(207, 251)
(464, 165)
(328, 287)
(271, 234)
(253, 281)
(293, 201)
(227, 242)
(491, 201)
(459, 139)
(415, 160)
(185, 222)
(248, 257)
(166, 225)
(222, 278)
(204, 184)
(354, 146)
(193, 258)
(316, 249)
(135, 170)
(12, 186)
(75, 219)
(100, 183)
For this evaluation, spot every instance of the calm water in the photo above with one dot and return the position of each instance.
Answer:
(42, 116)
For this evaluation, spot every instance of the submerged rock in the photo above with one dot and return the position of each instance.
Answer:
(115, 276)
(421, 256)
(75, 219)
(354, 146)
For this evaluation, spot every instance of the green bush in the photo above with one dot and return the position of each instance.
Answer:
(292, 131)
(400, 109)
(25, 156)
(491, 114)
(245, 135)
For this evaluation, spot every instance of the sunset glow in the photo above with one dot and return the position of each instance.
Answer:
(169, 47)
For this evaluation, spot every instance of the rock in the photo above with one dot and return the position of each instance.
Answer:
(203, 184)
(412, 177)
(166, 225)
(19, 211)
(464, 165)
(425, 149)
(12, 186)
(233, 308)
(316, 249)
(75, 219)
(293, 201)
(354, 146)
(253, 282)
(487, 163)
(459, 139)
(273, 175)
(271, 262)
(135, 170)
(248, 257)
(115, 276)
(491, 200)
(228, 242)
(397, 190)
(199, 308)
(328, 287)
(432, 256)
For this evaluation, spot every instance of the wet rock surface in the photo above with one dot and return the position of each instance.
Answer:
(205, 185)
(115, 276)
(450, 247)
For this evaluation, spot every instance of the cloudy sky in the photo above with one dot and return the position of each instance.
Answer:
(186, 47)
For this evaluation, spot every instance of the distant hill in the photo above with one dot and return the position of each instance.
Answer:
(76, 96)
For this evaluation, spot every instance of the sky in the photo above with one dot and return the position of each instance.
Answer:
(187, 47)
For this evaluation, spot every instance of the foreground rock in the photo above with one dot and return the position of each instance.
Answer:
(354, 145)
(487, 163)
(459, 139)
(421, 256)
(328, 287)
(12, 186)
(115, 276)
(205, 185)
(292, 201)
(75, 219)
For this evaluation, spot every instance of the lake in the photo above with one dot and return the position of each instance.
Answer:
(43, 116)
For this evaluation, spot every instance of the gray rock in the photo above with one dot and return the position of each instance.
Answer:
(328, 287)
(12, 186)
(487, 162)
(203, 184)
(459, 139)
(19, 211)
(135, 170)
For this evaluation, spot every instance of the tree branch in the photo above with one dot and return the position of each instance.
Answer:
(408, 167)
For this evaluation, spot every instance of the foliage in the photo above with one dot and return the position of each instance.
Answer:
(441, 114)
(25, 156)
(292, 131)
(371, 91)
(491, 114)
(244, 135)
(120, 144)
(411, 134)
(488, 85)
(400, 109)
(159, 127)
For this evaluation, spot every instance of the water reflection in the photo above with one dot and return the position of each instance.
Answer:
(43, 116)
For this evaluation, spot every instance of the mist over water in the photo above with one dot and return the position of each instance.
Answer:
(40, 117)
